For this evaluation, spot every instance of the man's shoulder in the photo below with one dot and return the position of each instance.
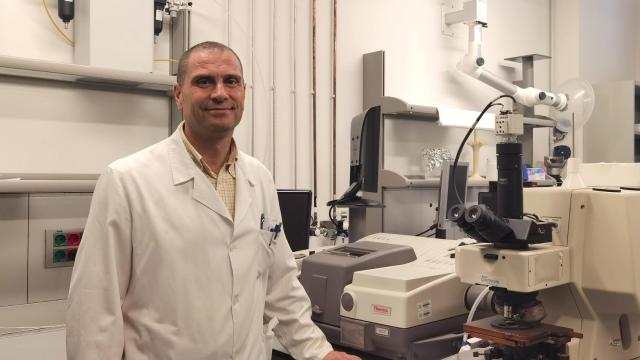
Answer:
(254, 165)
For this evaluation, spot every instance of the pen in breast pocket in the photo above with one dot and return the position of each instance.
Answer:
(262, 221)
(276, 230)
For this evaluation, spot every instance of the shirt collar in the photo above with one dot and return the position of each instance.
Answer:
(198, 159)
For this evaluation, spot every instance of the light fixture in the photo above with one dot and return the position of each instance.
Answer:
(465, 118)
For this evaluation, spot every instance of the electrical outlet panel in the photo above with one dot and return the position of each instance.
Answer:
(61, 247)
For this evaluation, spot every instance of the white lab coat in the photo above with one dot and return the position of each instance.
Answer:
(164, 273)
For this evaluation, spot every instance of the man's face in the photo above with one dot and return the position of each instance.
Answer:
(211, 97)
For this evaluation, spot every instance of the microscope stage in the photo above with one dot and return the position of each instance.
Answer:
(519, 337)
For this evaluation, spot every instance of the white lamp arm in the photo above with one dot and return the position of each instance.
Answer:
(472, 64)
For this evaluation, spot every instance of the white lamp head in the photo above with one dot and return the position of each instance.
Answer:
(581, 99)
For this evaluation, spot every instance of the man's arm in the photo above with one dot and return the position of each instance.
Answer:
(288, 302)
(100, 276)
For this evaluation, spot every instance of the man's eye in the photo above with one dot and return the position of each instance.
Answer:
(232, 81)
(203, 82)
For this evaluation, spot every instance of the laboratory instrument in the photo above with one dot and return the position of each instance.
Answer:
(395, 296)
(158, 17)
(582, 296)
(65, 11)
(514, 240)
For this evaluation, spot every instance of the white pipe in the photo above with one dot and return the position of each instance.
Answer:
(273, 88)
(228, 24)
(253, 93)
(293, 95)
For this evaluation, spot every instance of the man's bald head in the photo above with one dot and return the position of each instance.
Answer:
(183, 64)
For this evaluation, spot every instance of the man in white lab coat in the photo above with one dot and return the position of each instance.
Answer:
(182, 255)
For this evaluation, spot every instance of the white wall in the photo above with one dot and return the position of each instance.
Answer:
(63, 128)
(420, 66)
(608, 40)
(597, 41)
(40, 118)
(420, 69)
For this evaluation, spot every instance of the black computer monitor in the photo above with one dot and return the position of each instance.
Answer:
(365, 157)
(447, 197)
(365, 153)
(295, 206)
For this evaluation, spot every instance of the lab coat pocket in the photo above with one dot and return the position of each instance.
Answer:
(268, 247)
(266, 237)
(269, 336)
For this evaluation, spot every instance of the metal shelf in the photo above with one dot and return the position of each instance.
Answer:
(396, 107)
(47, 183)
(392, 180)
(82, 74)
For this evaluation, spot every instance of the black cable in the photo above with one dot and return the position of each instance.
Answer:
(466, 137)
(464, 141)
(430, 235)
(426, 231)
(332, 219)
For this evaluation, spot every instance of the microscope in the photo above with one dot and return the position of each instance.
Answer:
(515, 257)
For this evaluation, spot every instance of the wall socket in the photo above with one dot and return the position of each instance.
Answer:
(61, 247)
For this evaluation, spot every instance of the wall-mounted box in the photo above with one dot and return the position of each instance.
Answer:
(115, 34)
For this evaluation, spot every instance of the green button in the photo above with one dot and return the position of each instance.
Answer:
(59, 239)
(59, 256)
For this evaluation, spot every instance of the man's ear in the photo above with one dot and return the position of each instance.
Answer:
(177, 93)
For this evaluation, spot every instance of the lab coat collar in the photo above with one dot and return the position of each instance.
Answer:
(183, 170)
(179, 160)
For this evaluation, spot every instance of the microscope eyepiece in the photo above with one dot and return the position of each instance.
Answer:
(457, 215)
(487, 224)
(474, 213)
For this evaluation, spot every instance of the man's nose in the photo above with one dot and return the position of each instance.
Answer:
(219, 93)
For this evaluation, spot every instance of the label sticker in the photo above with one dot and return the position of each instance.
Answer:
(159, 15)
(424, 309)
(381, 310)
(380, 331)
(486, 280)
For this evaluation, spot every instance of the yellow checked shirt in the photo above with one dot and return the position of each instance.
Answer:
(225, 181)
